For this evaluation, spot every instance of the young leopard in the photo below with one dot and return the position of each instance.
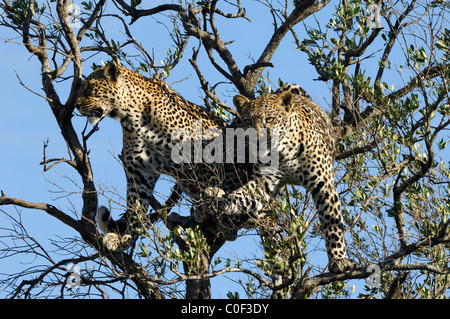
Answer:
(151, 114)
(305, 148)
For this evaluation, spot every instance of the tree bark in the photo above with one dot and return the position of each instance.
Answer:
(201, 288)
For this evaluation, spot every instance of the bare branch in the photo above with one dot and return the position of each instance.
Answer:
(136, 13)
(303, 10)
(205, 85)
(40, 95)
(394, 32)
(49, 209)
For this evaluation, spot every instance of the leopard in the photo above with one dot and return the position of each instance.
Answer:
(303, 136)
(255, 200)
(150, 113)
(152, 116)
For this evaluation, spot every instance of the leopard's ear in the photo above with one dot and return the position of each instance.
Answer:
(111, 71)
(285, 100)
(241, 103)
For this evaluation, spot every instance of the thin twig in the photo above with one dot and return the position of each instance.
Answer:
(34, 92)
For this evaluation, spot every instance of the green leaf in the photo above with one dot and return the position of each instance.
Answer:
(87, 5)
(230, 295)
(166, 73)
(135, 3)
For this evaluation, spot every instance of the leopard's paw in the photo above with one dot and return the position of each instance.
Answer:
(213, 192)
(117, 243)
(341, 265)
(112, 241)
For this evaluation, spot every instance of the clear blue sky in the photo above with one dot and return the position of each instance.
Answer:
(26, 122)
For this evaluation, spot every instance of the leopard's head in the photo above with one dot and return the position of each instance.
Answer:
(269, 111)
(102, 93)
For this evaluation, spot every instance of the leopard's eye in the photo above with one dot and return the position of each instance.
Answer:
(270, 120)
(248, 121)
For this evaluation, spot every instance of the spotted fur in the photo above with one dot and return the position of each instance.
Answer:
(306, 157)
(150, 113)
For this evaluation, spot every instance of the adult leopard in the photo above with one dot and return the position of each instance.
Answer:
(152, 115)
(302, 135)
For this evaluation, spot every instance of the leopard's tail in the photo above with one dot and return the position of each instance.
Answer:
(103, 219)
(108, 225)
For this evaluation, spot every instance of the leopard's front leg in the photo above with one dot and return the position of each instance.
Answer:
(326, 199)
(122, 234)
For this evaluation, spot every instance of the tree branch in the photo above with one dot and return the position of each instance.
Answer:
(205, 86)
(49, 209)
(303, 10)
(389, 263)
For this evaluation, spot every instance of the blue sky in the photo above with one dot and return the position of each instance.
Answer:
(26, 122)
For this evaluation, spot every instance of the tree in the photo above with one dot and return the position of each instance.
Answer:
(386, 69)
